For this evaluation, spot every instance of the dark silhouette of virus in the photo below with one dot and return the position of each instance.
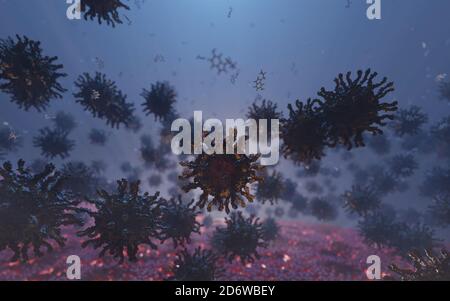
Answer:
(323, 209)
(440, 210)
(304, 133)
(279, 212)
(437, 182)
(380, 229)
(123, 220)
(134, 125)
(154, 156)
(379, 144)
(403, 166)
(159, 100)
(427, 267)
(53, 143)
(299, 203)
(354, 107)
(423, 143)
(240, 238)
(267, 110)
(98, 137)
(27, 75)
(154, 180)
(224, 177)
(101, 97)
(9, 140)
(64, 122)
(270, 188)
(178, 221)
(440, 133)
(33, 209)
(133, 172)
(444, 90)
(197, 266)
(416, 236)
(270, 229)
(104, 10)
(409, 121)
(289, 190)
(361, 200)
(80, 179)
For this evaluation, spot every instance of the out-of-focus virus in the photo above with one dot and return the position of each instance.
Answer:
(104, 10)
(379, 144)
(159, 100)
(270, 229)
(98, 137)
(440, 132)
(103, 99)
(437, 182)
(259, 82)
(403, 165)
(313, 187)
(423, 143)
(154, 180)
(133, 172)
(416, 236)
(299, 203)
(27, 75)
(9, 140)
(178, 221)
(354, 107)
(380, 229)
(33, 209)
(266, 110)
(80, 179)
(270, 188)
(323, 209)
(199, 266)
(409, 121)
(154, 156)
(427, 267)
(240, 238)
(361, 200)
(134, 125)
(311, 169)
(440, 210)
(122, 221)
(65, 122)
(444, 90)
(53, 143)
(289, 190)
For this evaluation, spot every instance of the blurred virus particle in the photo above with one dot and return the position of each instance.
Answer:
(410, 215)
(270, 229)
(149, 153)
(379, 229)
(409, 121)
(101, 97)
(423, 143)
(381, 180)
(98, 166)
(79, 179)
(224, 177)
(123, 220)
(27, 75)
(241, 238)
(266, 110)
(219, 63)
(440, 210)
(10, 141)
(33, 209)
(416, 236)
(133, 172)
(379, 144)
(299, 203)
(310, 169)
(198, 266)
(323, 209)
(134, 125)
(270, 188)
(166, 133)
(354, 107)
(98, 137)
(53, 143)
(104, 10)
(159, 100)
(313, 187)
(403, 166)
(279, 212)
(440, 132)
(64, 122)
(427, 267)
(289, 190)
(253, 209)
(444, 90)
(38, 165)
(178, 221)
(437, 182)
(154, 180)
(259, 82)
(303, 132)
(361, 200)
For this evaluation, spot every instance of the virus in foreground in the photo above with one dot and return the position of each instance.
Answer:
(104, 10)
(197, 266)
(159, 100)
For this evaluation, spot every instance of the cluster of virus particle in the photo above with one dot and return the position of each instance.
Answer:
(313, 187)
(101, 97)
(361, 200)
(409, 121)
(403, 165)
(323, 209)
(270, 229)
(64, 122)
(440, 133)
(159, 100)
(436, 182)
(266, 110)
(220, 64)
(178, 221)
(105, 10)
(197, 266)
(270, 188)
(80, 179)
(154, 156)
(27, 75)
(440, 210)
(422, 143)
(379, 144)
(241, 238)
(444, 90)
(259, 82)
(98, 137)
(123, 220)
(53, 143)
(224, 177)
(33, 209)
(427, 267)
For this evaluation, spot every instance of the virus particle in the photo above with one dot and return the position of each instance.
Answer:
(279, 212)
(80, 179)
(423, 143)
(108, 103)
(440, 210)
(361, 200)
(199, 266)
(303, 133)
(133, 173)
(409, 121)
(149, 153)
(354, 107)
(437, 182)
(224, 177)
(98, 137)
(440, 133)
(259, 82)
(33, 209)
(444, 90)
(178, 221)
(240, 238)
(159, 100)
(289, 190)
(270, 188)
(428, 267)
(64, 122)
(313, 187)
(105, 10)
(379, 144)
(299, 203)
(154, 180)
(417, 236)
(9, 140)
(267, 110)
(403, 166)
(27, 75)
(166, 133)
(270, 229)
(379, 229)
(220, 64)
(381, 180)
(122, 221)
(53, 143)
(323, 210)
